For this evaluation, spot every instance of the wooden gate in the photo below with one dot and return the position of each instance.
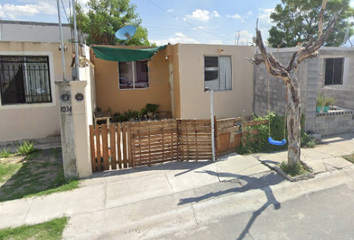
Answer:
(229, 134)
(133, 144)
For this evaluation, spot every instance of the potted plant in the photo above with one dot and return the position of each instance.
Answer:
(320, 100)
(328, 102)
(151, 109)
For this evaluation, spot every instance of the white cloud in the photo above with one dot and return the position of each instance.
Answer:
(13, 11)
(264, 14)
(176, 38)
(245, 38)
(215, 14)
(170, 10)
(218, 42)
(249, 13)
(203, 15)
(236, 16)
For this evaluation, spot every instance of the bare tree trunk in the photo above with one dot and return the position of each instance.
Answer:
(293, 119)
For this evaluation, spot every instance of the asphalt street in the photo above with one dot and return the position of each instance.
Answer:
(326, 214)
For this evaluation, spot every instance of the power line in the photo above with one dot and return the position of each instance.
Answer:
(62, 5)
(186, 21)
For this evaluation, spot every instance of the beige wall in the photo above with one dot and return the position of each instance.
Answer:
(194, 103)
(172, 53)
(108, 94)
(30, 121)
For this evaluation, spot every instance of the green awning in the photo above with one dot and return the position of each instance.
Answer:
(125, 55)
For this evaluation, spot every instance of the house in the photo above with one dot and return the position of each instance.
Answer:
(25, 31)
(29, 107)
(29, 101)
(330, 73)
(175, 78)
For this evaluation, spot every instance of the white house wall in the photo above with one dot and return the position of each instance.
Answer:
(32, 121)
(195, 103)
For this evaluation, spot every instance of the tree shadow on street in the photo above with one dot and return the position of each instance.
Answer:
(262, 181)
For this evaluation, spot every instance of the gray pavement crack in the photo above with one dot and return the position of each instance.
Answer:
(169, 183)
(23, 221)
(195, 217)
(105, 196)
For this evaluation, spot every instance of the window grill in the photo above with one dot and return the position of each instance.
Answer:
(24, 79)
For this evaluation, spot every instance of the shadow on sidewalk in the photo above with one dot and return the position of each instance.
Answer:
(187, 166)
(248, 183)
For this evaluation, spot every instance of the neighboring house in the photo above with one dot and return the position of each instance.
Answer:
(24, 31)
(176, 77)
(28, 94)
(330, 73)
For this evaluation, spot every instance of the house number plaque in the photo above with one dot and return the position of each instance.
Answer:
(79, 97)
(65, 109)
(65, 97)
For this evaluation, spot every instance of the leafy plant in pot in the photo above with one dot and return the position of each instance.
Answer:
(320, 101)
(151, 109)
(328, 102)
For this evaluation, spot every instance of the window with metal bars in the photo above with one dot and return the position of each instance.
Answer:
(334, 71)
(24, 79)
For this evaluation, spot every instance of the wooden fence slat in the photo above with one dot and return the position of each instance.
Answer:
(93, 150)
(98, 147)
(130, 160)
(124, 139)
(112, 135)
(105, 146)
(119, 146)
(216, 137)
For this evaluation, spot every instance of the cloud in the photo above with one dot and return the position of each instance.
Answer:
(218, 42)
(245, 38)
(13, 11)
(203, 15)
(176, 38)
(264, 14)
(170, 10)
(236, 16)
(249, 13)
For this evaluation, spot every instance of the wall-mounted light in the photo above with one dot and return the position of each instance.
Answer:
(220, 50)
(59, 48)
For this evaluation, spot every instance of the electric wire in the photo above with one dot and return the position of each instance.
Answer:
(62, 5)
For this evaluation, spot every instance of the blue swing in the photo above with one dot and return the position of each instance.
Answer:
(270, 139)
(275, 142)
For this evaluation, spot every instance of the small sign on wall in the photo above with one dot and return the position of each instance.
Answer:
(79, 97)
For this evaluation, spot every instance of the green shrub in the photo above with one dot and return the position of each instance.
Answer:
(5, 153)
(294, 170)
(276, 132)
(26, 148)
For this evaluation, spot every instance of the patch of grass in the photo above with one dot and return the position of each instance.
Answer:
(7, 170)
(38, 174)
(60, 184)
(26, 148)
(56, 152)
(44, 231)
(349, 157)
(294, 170)
(5, 153)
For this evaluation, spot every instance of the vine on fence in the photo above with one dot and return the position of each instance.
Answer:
(254, 143)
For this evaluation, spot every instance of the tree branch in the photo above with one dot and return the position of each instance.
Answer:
(310, 50)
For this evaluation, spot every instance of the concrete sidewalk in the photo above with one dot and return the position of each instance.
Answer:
(119, 200)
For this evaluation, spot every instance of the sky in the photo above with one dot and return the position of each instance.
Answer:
(183, 21)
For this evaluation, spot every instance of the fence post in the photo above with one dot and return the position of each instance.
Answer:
(216, 136)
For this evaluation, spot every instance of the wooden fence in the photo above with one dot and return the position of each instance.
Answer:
(133, 144)
(229, 134)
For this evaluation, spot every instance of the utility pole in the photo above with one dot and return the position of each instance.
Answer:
(61, 43)
(77, 66)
